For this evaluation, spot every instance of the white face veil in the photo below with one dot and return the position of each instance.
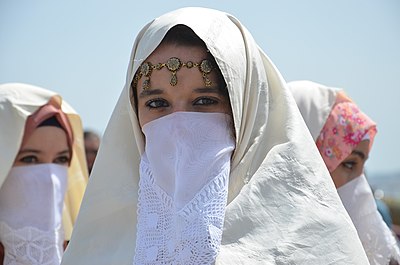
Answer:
(282, 205)
(31, 206)
(315, 102)
(17, 102)
(377, 239)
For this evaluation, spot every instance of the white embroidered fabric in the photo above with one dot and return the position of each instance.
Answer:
(378, 241)
(31, 203)
(31, 246)
(183, 188)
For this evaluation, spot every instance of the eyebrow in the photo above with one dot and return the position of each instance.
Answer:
(150, 92)
(63, 152)
(208, 90)
(359, 153)
(23, 151)
(29, 151)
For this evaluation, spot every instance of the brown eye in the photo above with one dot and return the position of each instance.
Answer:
(157, 103)
(30, 159)
(349, 165)
(62, 160)
(205, 101)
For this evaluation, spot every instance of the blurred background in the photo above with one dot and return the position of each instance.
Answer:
(81, 50)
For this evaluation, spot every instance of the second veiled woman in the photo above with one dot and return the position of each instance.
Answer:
(344, 136)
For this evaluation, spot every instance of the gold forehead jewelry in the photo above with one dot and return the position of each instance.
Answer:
(173, 65)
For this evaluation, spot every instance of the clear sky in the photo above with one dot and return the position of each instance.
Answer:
(81, 50)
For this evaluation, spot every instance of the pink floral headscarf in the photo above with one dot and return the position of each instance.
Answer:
(344, 129)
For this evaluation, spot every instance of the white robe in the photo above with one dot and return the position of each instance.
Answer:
(282, 205)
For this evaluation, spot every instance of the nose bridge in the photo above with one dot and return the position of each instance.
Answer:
(181, 105)
(47, 158)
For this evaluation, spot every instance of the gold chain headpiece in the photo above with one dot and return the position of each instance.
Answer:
(173, 65)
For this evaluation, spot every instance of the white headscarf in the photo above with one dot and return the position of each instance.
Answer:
(315, 102)
(282, 206)
(17, 103)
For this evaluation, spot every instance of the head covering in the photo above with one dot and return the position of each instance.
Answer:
(17, 103)
(338, 126)
(282, 206)
(334, 120)
(48, 115)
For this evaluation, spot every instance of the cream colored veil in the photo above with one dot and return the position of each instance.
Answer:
(282, 206)
(17, 102)
(315, 102)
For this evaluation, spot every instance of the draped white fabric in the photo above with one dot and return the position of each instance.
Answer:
(282, 205)
(378, 241)
(315, 102)
(31, 206)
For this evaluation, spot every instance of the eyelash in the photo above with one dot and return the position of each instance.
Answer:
(211, 101)
(62, 160)
(349, 164)
(156, 101)
(162, 103)
(31, 159)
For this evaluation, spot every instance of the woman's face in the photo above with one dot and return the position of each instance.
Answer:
(190, 94)
(47, 144)
(352, 166)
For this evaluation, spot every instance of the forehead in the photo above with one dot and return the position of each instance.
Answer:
(194, 70)
(47, 135)
(185, 53)
(362, 147)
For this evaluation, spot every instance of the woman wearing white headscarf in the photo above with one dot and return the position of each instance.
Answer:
(42, 174)
(279, 205)
(344, 137)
